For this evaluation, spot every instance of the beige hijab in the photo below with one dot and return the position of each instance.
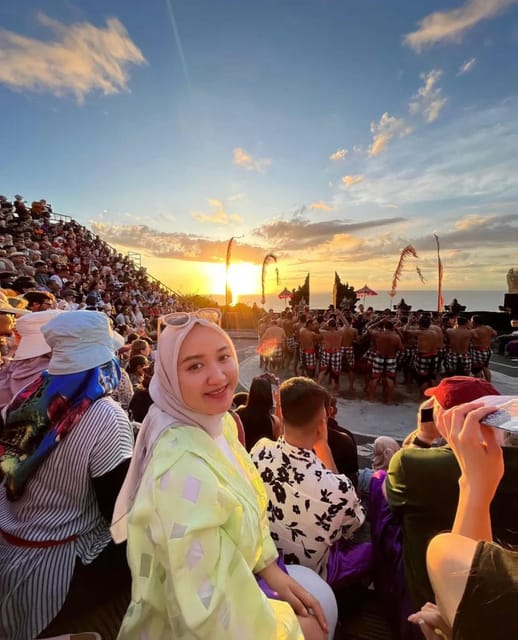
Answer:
(167, 411)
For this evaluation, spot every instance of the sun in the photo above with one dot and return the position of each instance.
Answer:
(244, 278)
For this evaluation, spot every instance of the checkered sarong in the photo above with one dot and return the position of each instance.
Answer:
(291, 343)
(407, 356)
(278, 352)
(425, 364)
(331, 359)
(459, 363)
(348, 357)
(382, 366)
(308, 357)
(480, 357)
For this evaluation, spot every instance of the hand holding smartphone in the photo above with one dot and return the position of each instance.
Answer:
(504, 417)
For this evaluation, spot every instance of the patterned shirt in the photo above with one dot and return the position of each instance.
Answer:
(310, 507)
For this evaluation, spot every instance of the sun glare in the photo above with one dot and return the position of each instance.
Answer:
(244, 278)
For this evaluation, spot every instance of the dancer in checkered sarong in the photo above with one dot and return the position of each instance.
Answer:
(482, 336)
(425, 362)
(330, 353)
(290, 326)
(349, 337)
(271, 347)
(458, 358)
(386, 345)
(308, 357)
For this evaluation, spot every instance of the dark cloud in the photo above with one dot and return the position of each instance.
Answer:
(300, 233)
(494, 231)
(182, 246)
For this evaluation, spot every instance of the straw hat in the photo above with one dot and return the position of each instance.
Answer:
(7, 307)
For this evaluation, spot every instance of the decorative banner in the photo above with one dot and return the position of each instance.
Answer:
(440, 273)
(268, 259)
(407, 251)
(421, 277)
(228, 290)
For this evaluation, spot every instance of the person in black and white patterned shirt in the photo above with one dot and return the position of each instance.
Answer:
(313, 510)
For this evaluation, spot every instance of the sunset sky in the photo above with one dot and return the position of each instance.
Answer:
(330, 132)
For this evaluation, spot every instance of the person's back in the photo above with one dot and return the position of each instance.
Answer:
(54, 513)
(422, 490)
(312, 506)
(256, 415)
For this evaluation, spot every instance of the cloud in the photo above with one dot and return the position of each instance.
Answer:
(181, 246)
(465, 161)
(473, 221)
(218, 216)
(450, 26)
(243, 159)
(322, 206)
(429, 99)
(467, 66)
(349, 181)
(383, 131)
(80, 59)
(300, 233)
(339, 154)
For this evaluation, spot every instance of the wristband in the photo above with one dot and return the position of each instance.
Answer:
(421, 443)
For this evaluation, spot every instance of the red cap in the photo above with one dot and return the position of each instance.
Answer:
(456, 390)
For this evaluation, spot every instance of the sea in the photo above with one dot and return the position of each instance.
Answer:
(474, 300)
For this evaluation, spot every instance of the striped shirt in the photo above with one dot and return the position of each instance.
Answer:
(58, 502)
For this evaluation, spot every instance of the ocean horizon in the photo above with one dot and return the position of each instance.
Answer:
(473, 300)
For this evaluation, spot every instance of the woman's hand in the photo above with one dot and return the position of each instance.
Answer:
(289, 590)
(431, 622)
(476, 448)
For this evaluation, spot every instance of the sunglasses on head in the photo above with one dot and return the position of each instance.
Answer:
(180, 319)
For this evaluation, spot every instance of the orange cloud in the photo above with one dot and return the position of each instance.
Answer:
(243, 159)
(80, 59)
(349, 181)
(322, 206)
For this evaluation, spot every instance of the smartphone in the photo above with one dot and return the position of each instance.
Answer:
(427, 415)
(501, 419)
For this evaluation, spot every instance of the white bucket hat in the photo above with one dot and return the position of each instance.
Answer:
(80, 340)
(32, 343)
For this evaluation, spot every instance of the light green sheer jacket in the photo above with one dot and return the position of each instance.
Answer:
(197, 534)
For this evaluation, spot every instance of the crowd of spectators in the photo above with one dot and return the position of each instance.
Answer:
(52, 261)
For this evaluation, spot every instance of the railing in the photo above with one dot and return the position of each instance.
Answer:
(61, 217)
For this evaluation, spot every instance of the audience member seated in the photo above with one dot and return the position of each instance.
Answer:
(342, 444)
(31, 357)
(193, 508)
(141, 400)
(136, 370)
(422, 485)
(475, 580)
(257, 415)
(39, 300)
(65, 450)
(383, 449)
(313, 510)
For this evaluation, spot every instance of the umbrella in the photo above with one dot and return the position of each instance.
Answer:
(285, 294)
(365, 291)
